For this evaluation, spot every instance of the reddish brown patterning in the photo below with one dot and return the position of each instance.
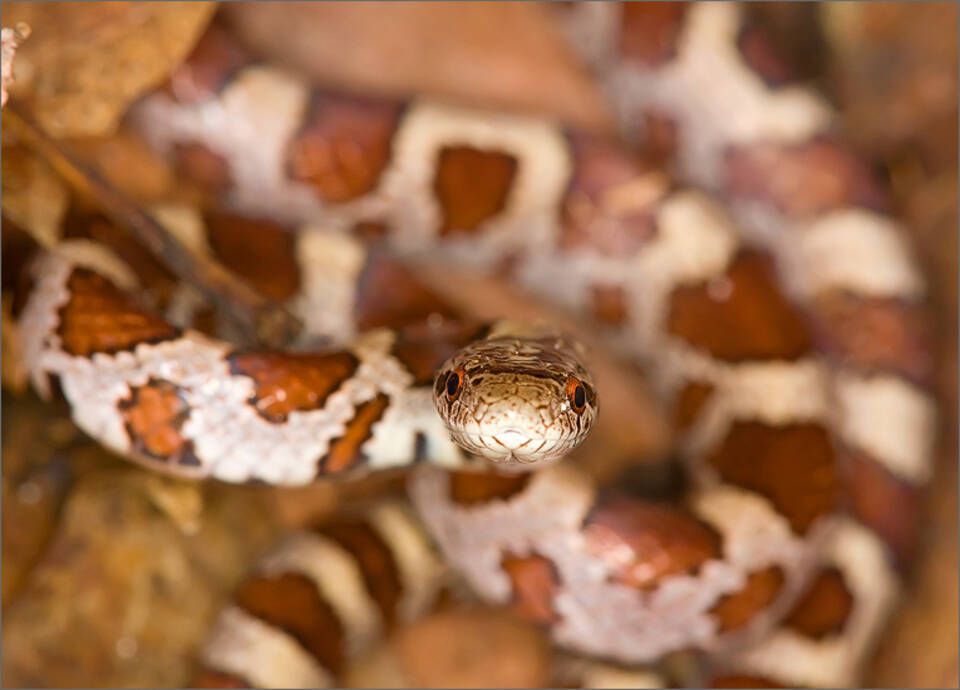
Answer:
(649, 31)
(291, 602)
(660, 136)
(875, 334)
(376, 561)
(287, 381)
(736, 610)
(824, 608)
(153, 416)
(760, 53)
(610, 201)
(689, 402)
(706, 563)
(740, 316)
(793, 466)
(343, 146)
(157, 282)
(215, 59)
(345, 452)
(882, 501)
(202, 166)
(261, 252)
(471, 186)
(472, 488)
(609, 305)
(805, 179)
(99, 317)
(662, 539)
(535, 581)
(423, 347)
(390, 296)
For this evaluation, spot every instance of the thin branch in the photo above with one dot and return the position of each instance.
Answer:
(264, 320)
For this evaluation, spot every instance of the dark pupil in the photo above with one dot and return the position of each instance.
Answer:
(453, 384)
(579, 397)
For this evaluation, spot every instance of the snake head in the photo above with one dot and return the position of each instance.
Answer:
(519, 397)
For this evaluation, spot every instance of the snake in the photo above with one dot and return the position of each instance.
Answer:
(730, 244)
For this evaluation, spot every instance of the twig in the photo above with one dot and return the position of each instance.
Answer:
(265, 321)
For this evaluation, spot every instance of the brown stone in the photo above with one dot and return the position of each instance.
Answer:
(471, 649)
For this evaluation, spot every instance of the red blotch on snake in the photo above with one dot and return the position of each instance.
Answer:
(99, 317)
(291, 602)
(471, 186)
(287, 381)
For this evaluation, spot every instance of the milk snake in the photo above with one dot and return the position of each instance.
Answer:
(769, 295)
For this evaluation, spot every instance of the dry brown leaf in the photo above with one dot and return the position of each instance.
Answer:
(894, 72)
(86, 61)
(127, 163)
(34, 196)
(181, 501)
(120, 596)
(36, 477)
(488, 54)
(13, 374)
(473, 648)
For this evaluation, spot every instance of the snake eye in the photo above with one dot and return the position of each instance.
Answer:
(454, 384)
(577, 394)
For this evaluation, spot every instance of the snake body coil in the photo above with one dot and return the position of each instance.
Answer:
(774, 305)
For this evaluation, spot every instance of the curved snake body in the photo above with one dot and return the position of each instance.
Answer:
(781, 321)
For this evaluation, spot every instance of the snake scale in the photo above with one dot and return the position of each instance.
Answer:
(762, 284)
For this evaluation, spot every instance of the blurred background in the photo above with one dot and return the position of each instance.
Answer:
(110, 576)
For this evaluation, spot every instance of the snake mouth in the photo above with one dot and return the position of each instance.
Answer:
(512, 458)
(512, 438)
(513, 441)
(515, 447)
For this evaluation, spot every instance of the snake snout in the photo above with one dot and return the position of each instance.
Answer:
(511, 438)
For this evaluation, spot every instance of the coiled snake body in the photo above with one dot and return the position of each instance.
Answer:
(774, 305)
